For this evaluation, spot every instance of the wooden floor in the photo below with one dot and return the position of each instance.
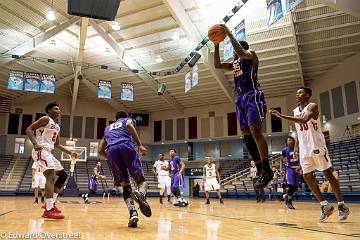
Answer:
(236, 219)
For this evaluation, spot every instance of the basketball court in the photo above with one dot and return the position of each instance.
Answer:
(107, 219)
(200, 80)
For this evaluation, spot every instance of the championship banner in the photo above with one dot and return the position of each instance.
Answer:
(195, 76)
(127, 92)
(32, 82)
(47, 83)
(274, 8)
(104, 89)
(228, 49)
(240, 31)
(16, 80)
(240, 34)
(290, 4)
(187, 82)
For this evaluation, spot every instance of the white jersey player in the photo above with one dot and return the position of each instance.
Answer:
(313, 152)
(161, 169)
(38, 181)
(210, 175)
(46, 138)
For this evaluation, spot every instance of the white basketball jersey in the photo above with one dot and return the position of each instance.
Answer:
(161, 166)
(309, 134)
(210, 171)
(46, 136)
(37, 168)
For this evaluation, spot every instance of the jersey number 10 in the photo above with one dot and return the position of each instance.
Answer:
(305, 126)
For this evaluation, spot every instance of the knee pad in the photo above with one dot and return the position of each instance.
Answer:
(176, 192)
(61, 180)
(127, 192)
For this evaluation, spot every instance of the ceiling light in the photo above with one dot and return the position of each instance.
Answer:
(51, 16)
(115, 26)
(175, 37)
(158, 59)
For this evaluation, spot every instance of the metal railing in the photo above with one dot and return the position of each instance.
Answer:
(234, 177)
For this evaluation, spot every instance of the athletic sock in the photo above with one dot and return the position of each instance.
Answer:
(49, 204)
(324, 203)
(143, 187)
(130, 204)
(55, 195)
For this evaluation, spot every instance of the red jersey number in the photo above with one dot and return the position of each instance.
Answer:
(304, 127)
(54, 137)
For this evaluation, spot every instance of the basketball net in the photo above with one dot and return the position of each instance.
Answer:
(72, 166)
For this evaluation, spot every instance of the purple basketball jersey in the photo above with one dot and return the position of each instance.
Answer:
(289, 154)
(245, 75)
(175, 164)
(117, 132)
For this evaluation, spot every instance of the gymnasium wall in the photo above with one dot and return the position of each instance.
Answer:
(328, 84)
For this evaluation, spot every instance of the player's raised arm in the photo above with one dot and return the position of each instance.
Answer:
(41, 122)
(217, 61)
(240, 51)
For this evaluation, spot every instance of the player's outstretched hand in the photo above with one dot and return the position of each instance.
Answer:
(143, 150)
(275, 113)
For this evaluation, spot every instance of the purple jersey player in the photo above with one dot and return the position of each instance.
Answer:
(118, 145)
(250, 104)
(292, 170)
(93, 182)
(177, 169)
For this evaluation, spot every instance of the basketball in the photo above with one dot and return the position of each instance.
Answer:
(216, 33)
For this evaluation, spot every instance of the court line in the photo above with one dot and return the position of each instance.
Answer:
(355, 235)
(3, 214)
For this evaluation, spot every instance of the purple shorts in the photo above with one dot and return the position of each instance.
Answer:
(250, 108)
(123, 158)
(92, 184)
(292, 176)
(176, 182)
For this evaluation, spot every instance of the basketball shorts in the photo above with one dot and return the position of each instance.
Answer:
(317, 160)
(124, 159)
(211, 184)
(250, 108)
(39, 181)
(164, 181)
(46, 160)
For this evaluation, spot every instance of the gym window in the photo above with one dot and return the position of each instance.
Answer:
(19, 145)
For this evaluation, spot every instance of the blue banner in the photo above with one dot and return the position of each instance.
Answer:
(32, 82)
(275, 12)
(290, 4)
(240, 34)
(187, 82)
(47, 84)
(195, 76)
(127, 92)
(16, 80)
(104, 89)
